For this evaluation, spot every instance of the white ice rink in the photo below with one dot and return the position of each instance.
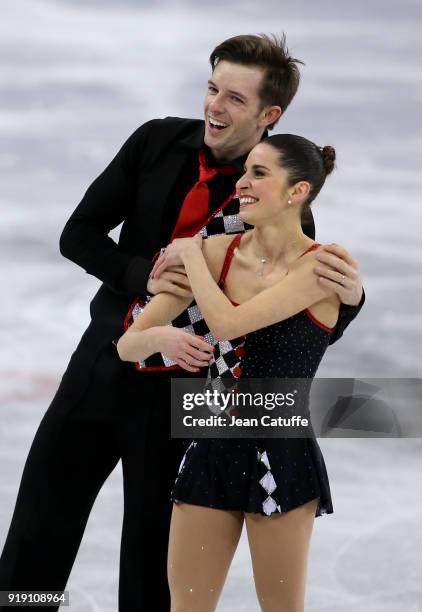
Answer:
(77, 77)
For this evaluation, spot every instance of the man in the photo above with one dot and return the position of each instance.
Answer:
(168, 180)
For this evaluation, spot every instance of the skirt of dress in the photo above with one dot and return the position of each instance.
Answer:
(265, 476)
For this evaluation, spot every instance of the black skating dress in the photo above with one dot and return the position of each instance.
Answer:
(266, 476)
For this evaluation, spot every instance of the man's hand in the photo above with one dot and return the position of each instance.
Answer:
(171, 255)
(187, 350)
(340, 272)
(173, 280)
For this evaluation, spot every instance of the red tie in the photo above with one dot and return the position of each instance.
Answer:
(194, 211)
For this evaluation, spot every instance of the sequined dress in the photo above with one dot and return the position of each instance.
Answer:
(265, 476)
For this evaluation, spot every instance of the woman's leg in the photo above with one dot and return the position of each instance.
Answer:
(201, 547)
(279, 547)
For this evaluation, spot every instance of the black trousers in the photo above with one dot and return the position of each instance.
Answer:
(103, 411)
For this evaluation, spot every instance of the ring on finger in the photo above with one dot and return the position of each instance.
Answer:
(162, 250)
(342, 279)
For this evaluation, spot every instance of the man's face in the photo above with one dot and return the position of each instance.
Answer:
(233, 103)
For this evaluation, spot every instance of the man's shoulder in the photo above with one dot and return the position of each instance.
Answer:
(180, 122)
(172, 126)
(151, 140)
(157, 135)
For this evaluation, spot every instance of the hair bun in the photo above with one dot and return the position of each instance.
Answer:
(328, 158)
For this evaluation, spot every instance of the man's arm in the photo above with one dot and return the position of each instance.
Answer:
(345, 317)
(104, 206)
(339, 271)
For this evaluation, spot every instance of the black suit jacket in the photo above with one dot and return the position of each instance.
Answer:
(133, 189)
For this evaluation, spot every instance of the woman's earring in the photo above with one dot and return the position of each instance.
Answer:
(289, 201)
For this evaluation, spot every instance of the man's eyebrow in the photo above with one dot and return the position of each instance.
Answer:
(237, 93)
(230, 91)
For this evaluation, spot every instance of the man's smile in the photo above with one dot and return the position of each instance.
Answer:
(215, 126)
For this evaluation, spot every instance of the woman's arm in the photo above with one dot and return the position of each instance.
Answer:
(150, 334)
(298, 291)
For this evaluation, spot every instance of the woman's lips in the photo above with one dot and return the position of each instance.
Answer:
(247, 201)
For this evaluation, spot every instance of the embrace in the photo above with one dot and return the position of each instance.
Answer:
(218, 233)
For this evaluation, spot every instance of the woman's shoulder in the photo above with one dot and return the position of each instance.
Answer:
(216, 242)
(215, 250)
(312, 249)
(326, 310)
(308, 257)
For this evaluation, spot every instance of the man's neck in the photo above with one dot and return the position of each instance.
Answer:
(219, 158)
(214, 161)
(230, 155)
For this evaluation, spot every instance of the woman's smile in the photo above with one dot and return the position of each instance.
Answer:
(247, 200)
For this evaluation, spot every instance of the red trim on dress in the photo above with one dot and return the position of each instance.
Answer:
(228, 258)
(156, 368)
(226, 265)
(315, 320)
(313, 246)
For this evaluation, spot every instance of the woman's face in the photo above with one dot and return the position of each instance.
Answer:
(263, 190)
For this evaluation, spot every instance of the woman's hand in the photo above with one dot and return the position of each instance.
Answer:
(187, 350)
(173, 254)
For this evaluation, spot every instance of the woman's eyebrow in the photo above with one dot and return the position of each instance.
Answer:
(257, 166)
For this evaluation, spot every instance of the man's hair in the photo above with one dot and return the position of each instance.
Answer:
(281, 74)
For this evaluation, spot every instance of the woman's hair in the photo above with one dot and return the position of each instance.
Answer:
(304, 161)
(281, 74)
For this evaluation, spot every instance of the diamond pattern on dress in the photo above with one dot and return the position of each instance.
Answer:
(221, 365)
(225, 346)
(233, 224)
(225, 221)
(263, 457)
(194, 313)
(269, 506)
(267, 482)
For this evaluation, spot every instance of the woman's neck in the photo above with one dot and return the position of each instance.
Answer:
(277, 245)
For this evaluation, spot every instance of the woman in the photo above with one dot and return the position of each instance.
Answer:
(261, 285)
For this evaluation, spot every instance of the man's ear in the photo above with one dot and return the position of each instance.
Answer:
(270, 115)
